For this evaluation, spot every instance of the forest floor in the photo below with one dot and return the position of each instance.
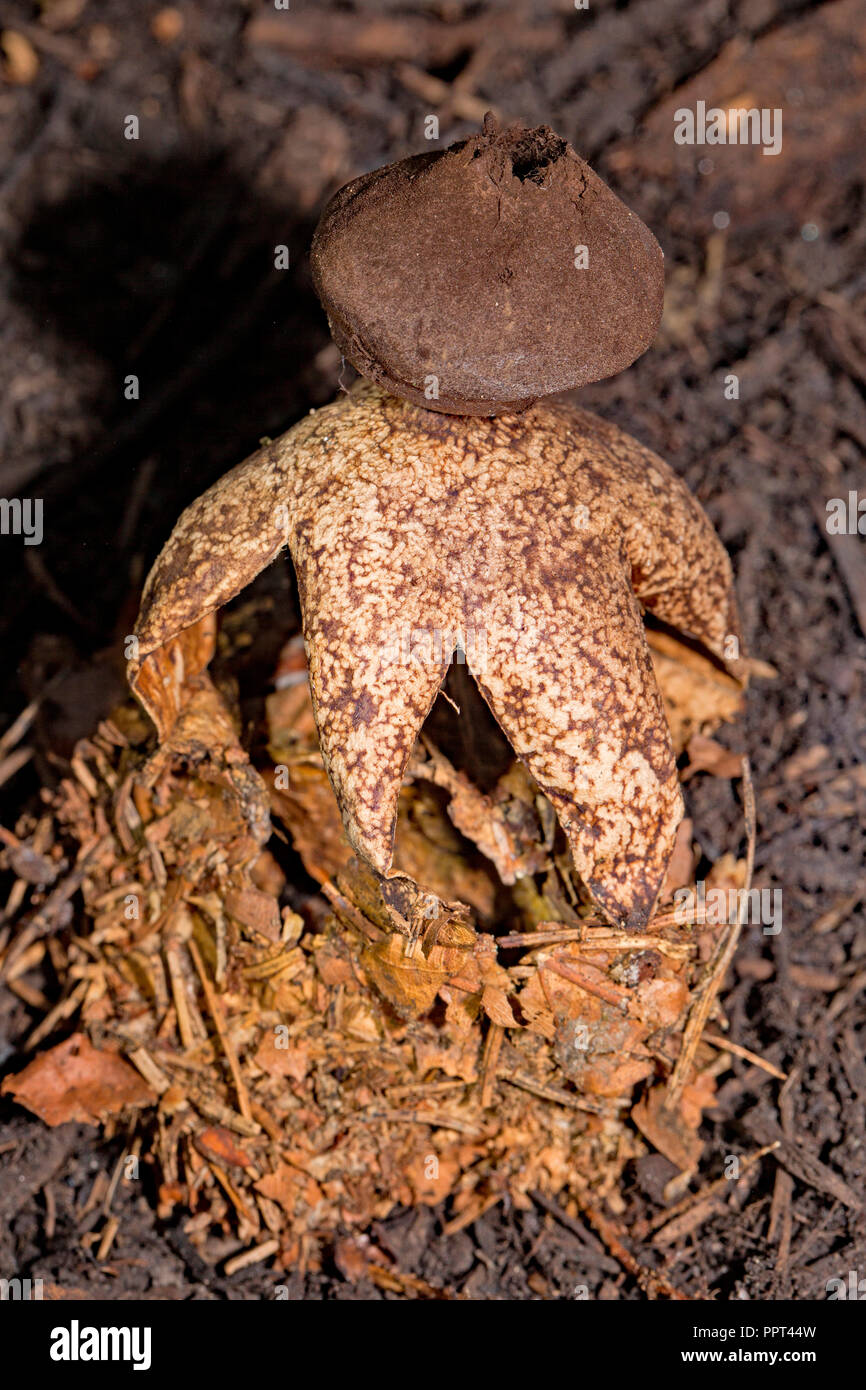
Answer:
(154, 257)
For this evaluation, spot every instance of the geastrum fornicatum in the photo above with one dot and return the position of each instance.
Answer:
(440, 499)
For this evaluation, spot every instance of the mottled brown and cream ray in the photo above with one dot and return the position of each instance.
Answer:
(529, 540)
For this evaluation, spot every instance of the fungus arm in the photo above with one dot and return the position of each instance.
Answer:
(577, 699)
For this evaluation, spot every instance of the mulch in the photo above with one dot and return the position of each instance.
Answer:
(155, 258)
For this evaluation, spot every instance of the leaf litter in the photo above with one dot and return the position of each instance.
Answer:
(386, 1044)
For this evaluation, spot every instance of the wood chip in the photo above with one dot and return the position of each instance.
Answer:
(216, 1014)
(255, 1255)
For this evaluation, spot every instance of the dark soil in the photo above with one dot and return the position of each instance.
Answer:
(155, 258)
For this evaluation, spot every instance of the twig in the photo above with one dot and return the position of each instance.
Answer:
(671, 1224)
(395, 1281)
(473, 1213)
(110, 1230)
(62, 1010)
(439, 94)
(489, 1062)
(781, 1219)
(14, 763)
(611, 994)
(216, 1014)
(711, 982)
(652, 1283)
(437, 1119)
(593, 1252)
(50, 1211)
(717, 1040)
(612, 941)
(253, 1256)
(346, 909)
(537, 1088)
(178, 990)
(44, 921)
(18, 728)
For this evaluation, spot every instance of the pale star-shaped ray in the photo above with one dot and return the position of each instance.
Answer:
(527, 540)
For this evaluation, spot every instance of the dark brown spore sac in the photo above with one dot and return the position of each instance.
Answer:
(454, 273)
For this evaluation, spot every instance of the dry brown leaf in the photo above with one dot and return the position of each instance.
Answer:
(681, 865)
(403, 975)
(805, 762)
(288, 1186)
(20, 59)
(727, 872)
(698, 694)
(428, 849)
(352, 1258)
(600, 1050)
(659, 1003)
(75, 1081)
(171, 677)
(255, 910)
(308, 808)
(359, 1093)
(495, 1004)
(667, 1130)
(431, 1177)
(509, 841)
(459, 1061)
(412, 533)
(293, 1061)
(596, 1044)
(705, 755)
(196, 728)
(221, 1146)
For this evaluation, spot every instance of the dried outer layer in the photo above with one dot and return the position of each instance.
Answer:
(528, 540)
(460, 273)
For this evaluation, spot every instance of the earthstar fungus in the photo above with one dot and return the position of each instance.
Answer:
(530, 537)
